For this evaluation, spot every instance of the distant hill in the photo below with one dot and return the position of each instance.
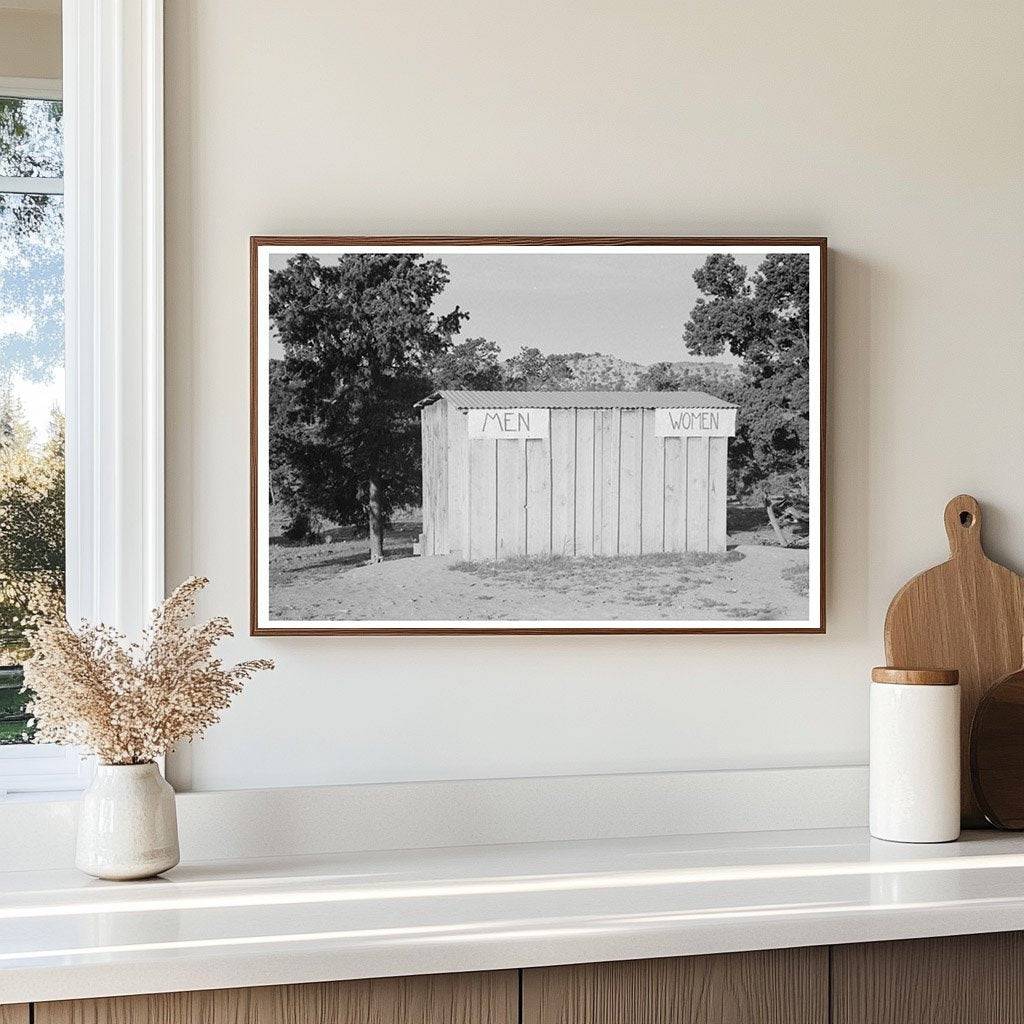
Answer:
(579, 371)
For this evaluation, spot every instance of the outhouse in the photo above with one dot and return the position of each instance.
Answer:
(540, 473)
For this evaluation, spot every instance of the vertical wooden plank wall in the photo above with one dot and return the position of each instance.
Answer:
(599, 488)
(458, 483)
(696, 493)
(718, 454)
(441, 479)
(611, 429)
(539, 496)
(434, 434)
(674, 453)
(652, 487)
(511, 497)
(631, 511)
(562, 468)
(483, 498)
(427, 456)
(602, 483)
(586, 498)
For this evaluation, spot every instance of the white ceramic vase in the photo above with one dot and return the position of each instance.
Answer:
(127, 825)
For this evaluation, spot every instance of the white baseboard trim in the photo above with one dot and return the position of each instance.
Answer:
(235, 824)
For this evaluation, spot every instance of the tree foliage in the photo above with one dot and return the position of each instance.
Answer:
(359, 338)
(31, 525)
(285, 483)
(31, 242)
(660, 377)
(471, 365)
(680, 377)
(762, 318)
(530, 370)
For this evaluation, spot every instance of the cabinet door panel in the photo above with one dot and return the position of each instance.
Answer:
(481, 998)
(778, 986)
(961, 979)
(14, 1013)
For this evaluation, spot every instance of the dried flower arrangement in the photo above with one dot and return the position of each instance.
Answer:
(129, 703)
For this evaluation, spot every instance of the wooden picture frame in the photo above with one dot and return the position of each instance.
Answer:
(536, 415)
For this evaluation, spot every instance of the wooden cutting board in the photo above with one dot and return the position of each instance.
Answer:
(967, 614)
(997, 752)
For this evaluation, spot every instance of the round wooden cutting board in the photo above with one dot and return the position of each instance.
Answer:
(997, 752)
(967, 614)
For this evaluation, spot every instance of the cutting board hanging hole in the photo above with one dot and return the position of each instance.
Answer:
(963, 525)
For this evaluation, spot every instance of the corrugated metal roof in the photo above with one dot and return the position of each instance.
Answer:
(577, 400)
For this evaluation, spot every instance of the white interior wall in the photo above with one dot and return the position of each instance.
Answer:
(895, 129)
(30, 39)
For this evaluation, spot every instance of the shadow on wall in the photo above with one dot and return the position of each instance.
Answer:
(855, 288)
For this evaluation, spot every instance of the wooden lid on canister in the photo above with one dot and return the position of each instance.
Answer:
(916, 676)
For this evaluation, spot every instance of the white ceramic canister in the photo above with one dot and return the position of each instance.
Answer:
(127, 825)
(915, 755)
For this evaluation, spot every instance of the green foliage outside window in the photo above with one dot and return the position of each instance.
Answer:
(31, 354)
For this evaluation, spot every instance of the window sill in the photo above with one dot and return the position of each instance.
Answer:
(44, 771)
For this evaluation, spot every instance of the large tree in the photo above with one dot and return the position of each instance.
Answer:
(359, 336)
(763, 318)
(472, 365)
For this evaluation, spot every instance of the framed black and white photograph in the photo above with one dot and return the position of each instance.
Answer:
(537, 435)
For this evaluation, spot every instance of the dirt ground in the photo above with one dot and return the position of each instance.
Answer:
(753, 582)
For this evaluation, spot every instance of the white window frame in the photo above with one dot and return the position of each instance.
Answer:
(45, 767)
(32, 88)
(114, 325)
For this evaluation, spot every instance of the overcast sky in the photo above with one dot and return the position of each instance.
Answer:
(630, 305)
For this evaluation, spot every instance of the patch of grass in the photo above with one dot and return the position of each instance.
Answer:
(762, 613)
(343, 548)
(690, 558)
(702, 558)
(650, 580)
(589, 565)
(13, 732)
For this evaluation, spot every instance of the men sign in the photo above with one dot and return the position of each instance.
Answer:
(508, 424)
(695, 422)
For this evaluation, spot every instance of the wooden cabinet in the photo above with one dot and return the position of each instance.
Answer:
(490, 998)
(970, 979)
(963, 979)
(775, 986)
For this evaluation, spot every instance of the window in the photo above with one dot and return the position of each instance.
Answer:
(32, 513)
(103, 191)
(31, 382)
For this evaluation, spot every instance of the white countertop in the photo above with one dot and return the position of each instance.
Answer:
(261, 922)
